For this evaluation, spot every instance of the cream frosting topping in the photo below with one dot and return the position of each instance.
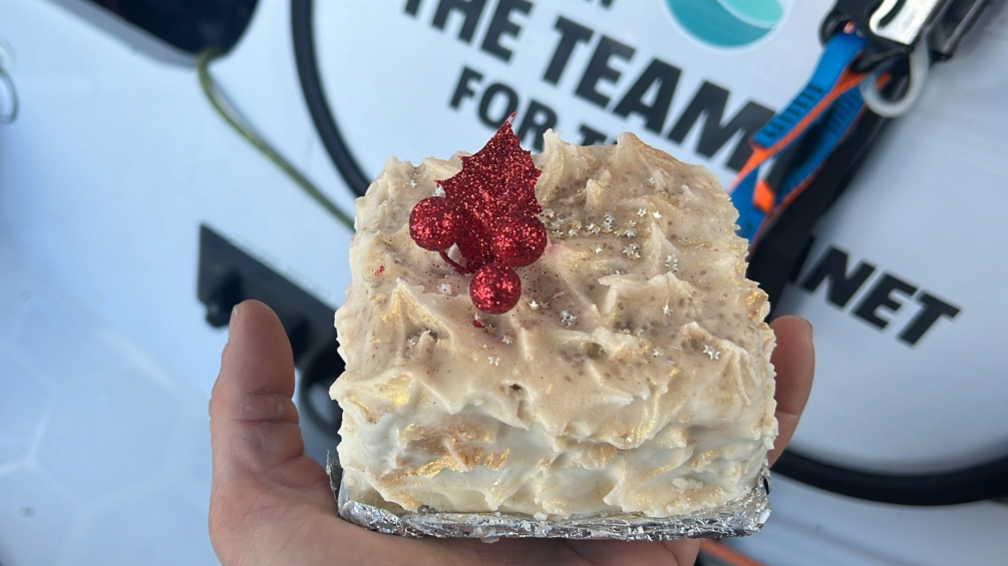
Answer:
(633, 376)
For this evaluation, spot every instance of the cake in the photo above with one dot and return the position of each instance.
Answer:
(631, 375)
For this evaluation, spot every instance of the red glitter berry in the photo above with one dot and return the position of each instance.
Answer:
(495, 288)
(433, 224)
(518, 241)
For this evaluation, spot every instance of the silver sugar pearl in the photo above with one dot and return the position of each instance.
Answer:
(567, 318)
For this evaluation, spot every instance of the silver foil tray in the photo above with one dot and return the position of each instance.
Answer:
(739, 517)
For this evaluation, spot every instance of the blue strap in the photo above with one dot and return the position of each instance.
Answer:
(837, 124)
(837, 120)
(838, 54)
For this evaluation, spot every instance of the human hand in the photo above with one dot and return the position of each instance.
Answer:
(271, 504)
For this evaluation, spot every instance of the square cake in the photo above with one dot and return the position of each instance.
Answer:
(629, 373)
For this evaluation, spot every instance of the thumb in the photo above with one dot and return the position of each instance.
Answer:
(253, 420)
(794, 362)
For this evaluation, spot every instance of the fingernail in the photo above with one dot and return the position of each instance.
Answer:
(811, 330)
(234, 317)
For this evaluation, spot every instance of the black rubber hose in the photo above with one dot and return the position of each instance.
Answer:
(976, 483)
(311, 85)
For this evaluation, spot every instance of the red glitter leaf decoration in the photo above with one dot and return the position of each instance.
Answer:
(491, 211)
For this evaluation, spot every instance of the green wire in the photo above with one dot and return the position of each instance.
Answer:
(214, 96)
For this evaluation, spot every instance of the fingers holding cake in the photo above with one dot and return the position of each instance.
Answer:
(794, 362)
(269, 503)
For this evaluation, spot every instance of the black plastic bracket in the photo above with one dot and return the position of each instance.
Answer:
(228, 275)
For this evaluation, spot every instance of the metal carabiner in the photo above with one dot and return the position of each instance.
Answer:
(894, 28)
(902, 21)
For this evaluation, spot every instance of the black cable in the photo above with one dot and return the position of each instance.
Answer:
(976, 483)
(318, 106)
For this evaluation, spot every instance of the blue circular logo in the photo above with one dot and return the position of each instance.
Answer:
(727, 23)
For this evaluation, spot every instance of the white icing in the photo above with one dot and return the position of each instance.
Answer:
(633, 375)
